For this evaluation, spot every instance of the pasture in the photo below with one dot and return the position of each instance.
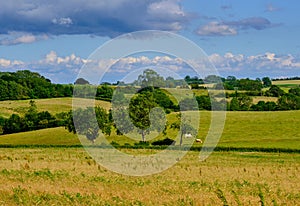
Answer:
(53, 105)
(285, 85)
(286, 82)
(242, 129)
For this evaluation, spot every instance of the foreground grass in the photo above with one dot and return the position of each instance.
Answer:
(56, 176)
(53, 105)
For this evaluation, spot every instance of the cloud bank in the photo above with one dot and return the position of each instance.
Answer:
(65, 69)
(94, 17)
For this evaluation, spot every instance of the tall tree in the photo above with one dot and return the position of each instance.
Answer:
(81, 81)
(144, 115)
(150, 78)
(266, 81)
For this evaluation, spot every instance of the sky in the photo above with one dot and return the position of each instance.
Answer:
(241, 38)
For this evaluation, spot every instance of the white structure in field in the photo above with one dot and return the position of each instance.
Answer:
(189, 135)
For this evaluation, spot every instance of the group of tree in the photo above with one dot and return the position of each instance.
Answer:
(31, 120)
(88, 122)
(142, 112)
(229, 83)
(232, 83)
(286, 101)
(150, 77)
(30, 85)
(99, 92)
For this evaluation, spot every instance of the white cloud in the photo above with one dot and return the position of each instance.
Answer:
(216, 29)
(5, 62)
(268, 63)
(64, 69)
(53, 58)
(62, 21)
(166, 8)
(10, 63)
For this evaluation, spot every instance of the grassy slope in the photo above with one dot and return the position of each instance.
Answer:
(262, 129)
(54, 105)
(52, 136)
(286, 82)
(242, 129)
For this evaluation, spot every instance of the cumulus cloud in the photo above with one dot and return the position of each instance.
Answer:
(103, 18)
(127, 64)
(9, 63)
(4, 62)
(269, 64)
(64, 69)
(53, 59)
(215, 28)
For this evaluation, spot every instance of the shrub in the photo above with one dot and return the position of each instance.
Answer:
(166, 141)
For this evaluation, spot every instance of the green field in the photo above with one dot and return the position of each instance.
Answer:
(54, 105)
(52, 136)
(242, 129)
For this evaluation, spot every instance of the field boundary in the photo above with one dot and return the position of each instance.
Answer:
(193, 148)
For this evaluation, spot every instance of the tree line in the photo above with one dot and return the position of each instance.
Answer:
(31, 85)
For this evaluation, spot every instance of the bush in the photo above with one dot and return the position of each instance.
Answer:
(166, 141)
(114, 144)
(142, 143)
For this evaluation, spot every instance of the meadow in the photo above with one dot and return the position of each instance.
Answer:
(242, 129)
(286, 82)
(53, 105)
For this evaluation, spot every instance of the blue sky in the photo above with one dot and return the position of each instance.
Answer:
(241, 38)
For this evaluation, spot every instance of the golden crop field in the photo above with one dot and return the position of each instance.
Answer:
(68, 176)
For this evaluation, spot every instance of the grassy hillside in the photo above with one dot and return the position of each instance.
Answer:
(242, 129)
(262, 129)
(52, 136)
(54, 105)
(286, 82)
